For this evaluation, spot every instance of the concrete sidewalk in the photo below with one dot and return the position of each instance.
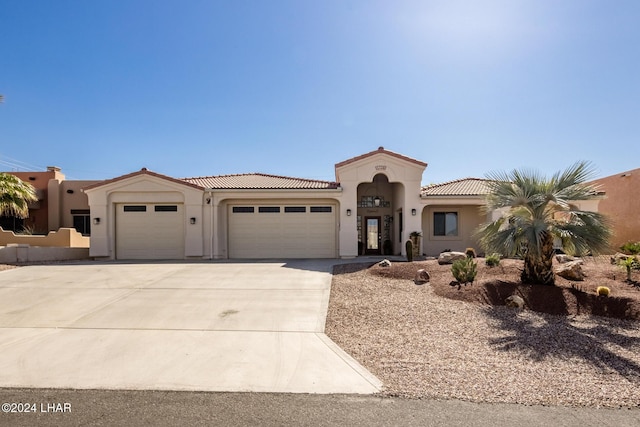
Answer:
(215, 326)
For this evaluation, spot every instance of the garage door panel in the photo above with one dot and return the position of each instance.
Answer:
(152, 233)
(292, 232)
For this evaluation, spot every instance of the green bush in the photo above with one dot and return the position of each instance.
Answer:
(631, 248)
(464, 270)
(470, 252)
(409, 247)
(492, 260)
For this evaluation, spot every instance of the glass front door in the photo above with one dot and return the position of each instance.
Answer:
(373, 235)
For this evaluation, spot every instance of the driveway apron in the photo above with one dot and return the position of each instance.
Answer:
(210, 326)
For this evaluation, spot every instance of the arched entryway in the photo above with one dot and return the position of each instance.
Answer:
(378, 218)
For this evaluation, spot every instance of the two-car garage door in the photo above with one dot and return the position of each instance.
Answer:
(276, 230)
(150, 231)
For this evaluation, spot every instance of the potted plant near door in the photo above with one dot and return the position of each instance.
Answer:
(415, 236)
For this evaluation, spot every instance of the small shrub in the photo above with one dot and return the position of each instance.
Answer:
(470, 252)
(464, 270)
(492, 260)
(409, 247)
(603, 291)
(630, 263)
(631, 248)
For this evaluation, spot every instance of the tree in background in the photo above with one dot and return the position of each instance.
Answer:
(15, 196)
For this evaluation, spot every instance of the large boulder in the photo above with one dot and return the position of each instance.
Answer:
(450, 257)
(571, 270)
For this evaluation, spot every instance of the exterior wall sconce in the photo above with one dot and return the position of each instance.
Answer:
(348, 212)
(96, 221)
(376, 201)
(192, 220)
(413, 212)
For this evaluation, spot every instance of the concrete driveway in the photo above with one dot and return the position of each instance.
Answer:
(214, 326)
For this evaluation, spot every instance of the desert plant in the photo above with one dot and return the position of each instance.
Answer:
(541, 210)
(603, 291)
(492, 260)
(464, 270)
(15, 196)
(409, 247)
(415, 234)
(629, 263)
(470, 252)
(631, 248)
(27, 230)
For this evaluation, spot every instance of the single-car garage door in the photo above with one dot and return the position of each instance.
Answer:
(282, 231)
(149, 231)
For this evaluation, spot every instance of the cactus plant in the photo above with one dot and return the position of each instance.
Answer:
(409, 247)
(603, 291)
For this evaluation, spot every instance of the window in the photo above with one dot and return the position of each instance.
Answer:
(82, 224)
(295, 209)
(135, 208)
(269, 209)
(166, 208)
(445, 223)
(317, 209)
(243, 209)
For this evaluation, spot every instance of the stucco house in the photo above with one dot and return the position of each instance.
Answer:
(61, 203)
(375, 203)
(622, 205)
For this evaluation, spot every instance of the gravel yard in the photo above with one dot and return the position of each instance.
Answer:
(421, 345)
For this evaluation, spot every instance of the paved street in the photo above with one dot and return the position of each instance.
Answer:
(164, 408)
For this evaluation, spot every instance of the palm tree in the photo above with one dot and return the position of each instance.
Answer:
(539, 212)
(15, 196)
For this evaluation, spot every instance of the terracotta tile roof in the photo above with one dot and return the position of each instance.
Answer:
(143, 171)
(251, 181)
(458, 187)
(378, 151)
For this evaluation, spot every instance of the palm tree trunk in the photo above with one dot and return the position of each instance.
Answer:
(538, 269)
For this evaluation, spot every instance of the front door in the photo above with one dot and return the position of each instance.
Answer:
(373, 236)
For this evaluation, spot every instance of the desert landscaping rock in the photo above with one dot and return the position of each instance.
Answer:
(450, 257)
(422, 277)
(421, 345)
(571, 270)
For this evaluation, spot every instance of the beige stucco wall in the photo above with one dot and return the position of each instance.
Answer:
(469, 218)
(20, 253)
(64, 237)
(405, 196)
(622, 205)
(144, 188)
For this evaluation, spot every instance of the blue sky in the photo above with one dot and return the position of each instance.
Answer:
(191, 88)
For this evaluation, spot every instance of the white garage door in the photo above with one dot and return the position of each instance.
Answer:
(282, 231)
(149, 231)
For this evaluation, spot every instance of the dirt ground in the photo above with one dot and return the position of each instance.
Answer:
(493, 285)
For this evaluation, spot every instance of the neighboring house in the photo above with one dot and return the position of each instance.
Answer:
(61, 203)
(622, 205)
